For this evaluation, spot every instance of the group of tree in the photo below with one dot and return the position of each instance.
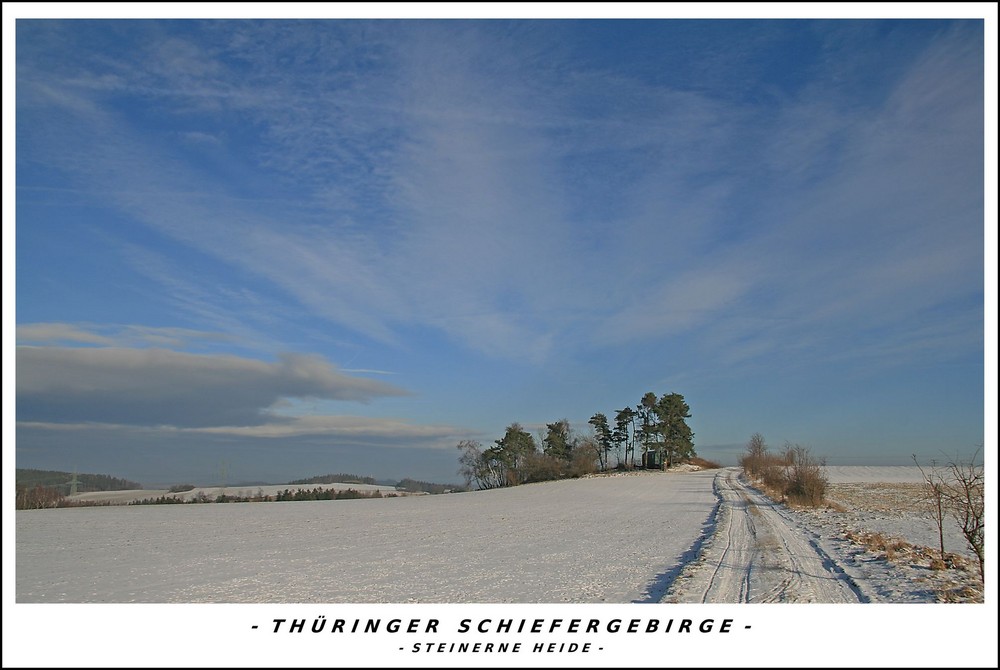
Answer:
(656, 426)
(408, 485)
(327, 494)
(40, 489)
(516, 458)
(37, 496)
(959, 490)
(793, 475)
(44, 497)
(66, 483)
(285, 495)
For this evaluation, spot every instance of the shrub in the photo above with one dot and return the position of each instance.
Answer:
(539, 467)
(582, 462)
(806, 484)
(794, 476)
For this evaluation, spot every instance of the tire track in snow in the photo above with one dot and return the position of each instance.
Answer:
(730, 579)
(758, 555)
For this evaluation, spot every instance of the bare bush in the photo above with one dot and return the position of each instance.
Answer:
(772, 475)
(935, 499)
(805, 482)
(966, 500)
(756, 454)
(794, 476)
(959, 491)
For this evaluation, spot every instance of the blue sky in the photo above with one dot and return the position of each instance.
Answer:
(286, 248)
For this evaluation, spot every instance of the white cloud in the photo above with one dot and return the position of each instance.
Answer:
(59, 332)
(162, 387)
(114, 335)
(392, 432)
(353, 430)
(460, 187)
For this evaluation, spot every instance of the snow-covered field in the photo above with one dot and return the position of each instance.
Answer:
(644, 537)
(608, 539)
(840, 474)
(655, 546)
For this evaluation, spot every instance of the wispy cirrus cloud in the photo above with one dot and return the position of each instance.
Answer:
(498, 195)
(522, 220)
(113, 335)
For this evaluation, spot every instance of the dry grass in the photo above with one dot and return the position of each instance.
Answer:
(835, 506)
(703, 463)
(877, 543)
(959, 594)
(904, 499)
(900, 551)
(953, 580)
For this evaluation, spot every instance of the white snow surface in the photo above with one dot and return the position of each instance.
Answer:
(601, 539)
(643, 537)
(902, 474)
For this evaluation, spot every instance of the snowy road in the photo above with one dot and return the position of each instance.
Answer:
(757, 554)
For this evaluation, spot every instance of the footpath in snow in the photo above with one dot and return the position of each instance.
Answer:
(760, 551)
(758, 555)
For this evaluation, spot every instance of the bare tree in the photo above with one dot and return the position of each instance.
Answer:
(937, 497)
(805, 481)
(965, 496)
(755, 456)
(479, 467)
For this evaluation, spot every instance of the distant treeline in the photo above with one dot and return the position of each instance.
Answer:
(39, 489)
(63, 481)
(408, 485)
(414, 486)
(338, 478)
(280, 496)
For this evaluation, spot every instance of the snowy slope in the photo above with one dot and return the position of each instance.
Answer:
(606, 539)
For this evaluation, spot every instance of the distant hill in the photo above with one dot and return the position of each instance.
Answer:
(413, 486)
(338, 478)
(63, 481)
